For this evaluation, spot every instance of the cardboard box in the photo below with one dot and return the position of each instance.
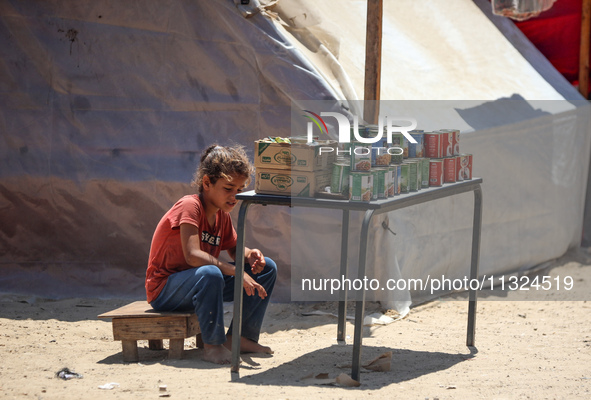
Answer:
(291, 183)
(295, 156)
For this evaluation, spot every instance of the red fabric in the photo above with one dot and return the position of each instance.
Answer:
(166, 251)
(556, 33)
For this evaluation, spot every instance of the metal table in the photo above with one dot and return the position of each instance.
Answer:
(371, 209)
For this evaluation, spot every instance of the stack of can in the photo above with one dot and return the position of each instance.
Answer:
(448, 165)
(379, 170)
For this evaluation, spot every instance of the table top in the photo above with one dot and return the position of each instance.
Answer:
(141, 309)
(392, 203)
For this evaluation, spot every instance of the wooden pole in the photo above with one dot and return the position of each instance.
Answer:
(584, 49)
(373, 61)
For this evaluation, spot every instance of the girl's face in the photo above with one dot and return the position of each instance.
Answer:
(222, 194)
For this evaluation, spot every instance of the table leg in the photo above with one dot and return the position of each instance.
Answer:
(476, 229)
(175, 348)
(238, 282)
(360, 304)
(342, 317)
(130, 352)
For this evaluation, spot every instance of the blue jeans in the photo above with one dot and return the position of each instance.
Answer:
(204, 290)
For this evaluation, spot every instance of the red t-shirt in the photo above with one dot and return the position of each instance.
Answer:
(166, 251)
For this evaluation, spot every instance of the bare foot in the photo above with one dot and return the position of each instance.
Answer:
(217, 354)
(248, 346)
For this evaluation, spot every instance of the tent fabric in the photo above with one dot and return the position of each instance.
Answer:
(557, 34)
(106, 107)
(434, 54)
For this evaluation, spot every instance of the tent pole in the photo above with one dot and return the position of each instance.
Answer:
(584, 49)
(373, 61)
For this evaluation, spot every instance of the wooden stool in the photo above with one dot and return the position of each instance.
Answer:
(139, 321)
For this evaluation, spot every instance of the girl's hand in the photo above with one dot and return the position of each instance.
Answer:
(251, 287)
(256, 260)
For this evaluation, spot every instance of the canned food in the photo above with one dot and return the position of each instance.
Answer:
(419, 173)
(449, 169)
(436, 172)
(399, 140)
(380, 156)
(381, 139)
(372, 131)
(340, 177)
(404, 178)
(360, 186)
(415, 150)
(413, 179)
(360, 156)
(433, 145)
(360, 129)
(391, 180)
(424, 172)
(448, 149)
(466, 166)
(438, 144)
(454, 139)
(399, 180)
(396, 154)
(374, 179)
(381, 182)
(347, 150)
(459, 175)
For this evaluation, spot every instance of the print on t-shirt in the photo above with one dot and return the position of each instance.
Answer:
(207, 237)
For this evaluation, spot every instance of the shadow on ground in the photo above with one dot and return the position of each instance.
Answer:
(333, 360)
(336, 359)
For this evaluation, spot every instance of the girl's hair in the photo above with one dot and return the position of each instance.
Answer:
(222, 162)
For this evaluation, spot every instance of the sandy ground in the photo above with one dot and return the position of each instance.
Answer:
(524, 350)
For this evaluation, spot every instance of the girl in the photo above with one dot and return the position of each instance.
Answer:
(184, 272)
